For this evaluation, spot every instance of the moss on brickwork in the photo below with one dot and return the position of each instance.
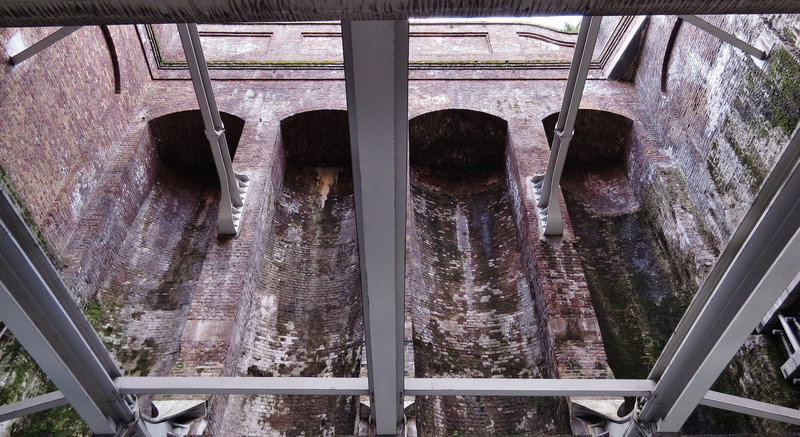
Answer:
(22, 379)
(755, 374)
(56, 422)
(783, 76)
(633, 292)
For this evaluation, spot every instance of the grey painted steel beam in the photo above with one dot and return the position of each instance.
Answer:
(743, 285)
(527, 387)
(242, 385)
(725, 36)
(50, 331)
(376, 80)
(360, 386)
(32, 405)
(233, 186)
(64, 12)
(546, 185)
(748, 406)
(44, 43)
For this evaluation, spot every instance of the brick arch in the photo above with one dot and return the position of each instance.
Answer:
(668, 53)
(181, 144)
(458, 140)
(601, 137)
(317, 138)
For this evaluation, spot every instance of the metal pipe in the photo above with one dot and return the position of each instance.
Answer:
(789, 334)
(46, 42)
(61, 12)
(527, 387)
(545, 185)
(725, 36)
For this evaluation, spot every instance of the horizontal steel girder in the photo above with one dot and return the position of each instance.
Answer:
(242, 385)
(70, 12)
(32, 405)
(527, 387)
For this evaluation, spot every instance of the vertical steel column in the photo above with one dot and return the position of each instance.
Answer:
(50, 327)
(376, 77)
(545, 185)
(233, 186)
(46, 42)
(758, 264)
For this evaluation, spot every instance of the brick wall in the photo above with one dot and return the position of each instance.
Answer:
(62, 121)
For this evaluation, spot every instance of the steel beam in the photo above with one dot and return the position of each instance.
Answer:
(46, 42)
(527, 387)
(32, 405)
(61, 12)
(242, 385)
(546, 185)
(748, 406)
(50, 331)
(376, 80)
(233, 186)
(725, 36)
(756, 266)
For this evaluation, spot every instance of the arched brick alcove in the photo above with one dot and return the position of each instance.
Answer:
(307, 318)
(149, 283)
(470, 298)
(630, 276)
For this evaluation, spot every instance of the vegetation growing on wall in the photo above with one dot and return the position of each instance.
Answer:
(783, 76)
(23, 379)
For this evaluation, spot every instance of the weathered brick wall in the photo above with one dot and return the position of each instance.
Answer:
(307, 319)
(62, 122)
(712, 125)
(472, 307)
(471, 300)
(721, 117)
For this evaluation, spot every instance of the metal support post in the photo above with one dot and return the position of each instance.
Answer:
(725, 36)
(233, 186)
(376, 79)
(786, 346)
(46, 324)
(46, 42)
(789, 333)
(546, 185)
(744, 284)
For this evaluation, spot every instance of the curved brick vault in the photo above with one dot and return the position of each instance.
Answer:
(307, 319)
(472, 307)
